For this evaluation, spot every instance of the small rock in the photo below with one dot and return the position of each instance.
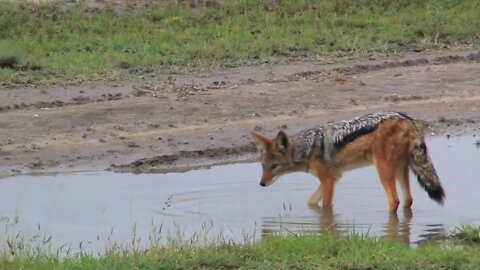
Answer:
(470, 121)
(352, 102)
(153, 125)
(133, 145)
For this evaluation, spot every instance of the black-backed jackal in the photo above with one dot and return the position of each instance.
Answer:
(391, 141)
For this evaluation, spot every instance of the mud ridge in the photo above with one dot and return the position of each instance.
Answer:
(80, 100)
(156, 163)
(364, 68)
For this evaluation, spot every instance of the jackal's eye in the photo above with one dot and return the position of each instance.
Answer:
(274, 166)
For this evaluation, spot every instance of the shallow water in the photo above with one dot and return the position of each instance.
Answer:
(90, 211)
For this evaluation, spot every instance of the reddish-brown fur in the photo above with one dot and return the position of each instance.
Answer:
(388, 148)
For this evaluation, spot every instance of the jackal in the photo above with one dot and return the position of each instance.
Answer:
(391, 141)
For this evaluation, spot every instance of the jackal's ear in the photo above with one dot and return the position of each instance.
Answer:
(261, 140)
(281, 141)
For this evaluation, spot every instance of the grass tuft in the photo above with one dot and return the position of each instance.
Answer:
(467, 233)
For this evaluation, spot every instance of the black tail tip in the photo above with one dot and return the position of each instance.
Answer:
(437, 194)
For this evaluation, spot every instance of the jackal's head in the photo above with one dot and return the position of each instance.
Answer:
(276, 156)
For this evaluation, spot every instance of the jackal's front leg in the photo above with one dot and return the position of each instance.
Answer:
(324, 191)
(327, 177)
(316, 196)
(328, 187)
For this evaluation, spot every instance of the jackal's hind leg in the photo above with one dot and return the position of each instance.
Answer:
(386, 172)
(404, 181)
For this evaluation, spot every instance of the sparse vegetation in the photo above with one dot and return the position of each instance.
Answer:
(67, 42)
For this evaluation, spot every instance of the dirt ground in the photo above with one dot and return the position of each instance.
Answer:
(161, 123)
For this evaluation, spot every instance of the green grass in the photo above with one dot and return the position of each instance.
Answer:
(307, 251)
(467, 233)
(328, 251)
(57, 44)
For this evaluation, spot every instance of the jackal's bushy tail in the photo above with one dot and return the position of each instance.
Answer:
(423, 168)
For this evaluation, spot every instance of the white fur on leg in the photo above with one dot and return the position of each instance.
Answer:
(316, 196)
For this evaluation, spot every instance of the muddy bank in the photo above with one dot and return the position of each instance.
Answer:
(168, 122)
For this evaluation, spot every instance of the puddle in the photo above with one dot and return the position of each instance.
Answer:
(88, 211)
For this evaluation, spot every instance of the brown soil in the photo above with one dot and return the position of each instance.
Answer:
(178, 122)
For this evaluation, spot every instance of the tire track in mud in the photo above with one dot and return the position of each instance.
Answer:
(389, 102)
(161, 89)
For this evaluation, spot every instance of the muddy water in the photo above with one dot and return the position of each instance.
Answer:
(92, 210)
